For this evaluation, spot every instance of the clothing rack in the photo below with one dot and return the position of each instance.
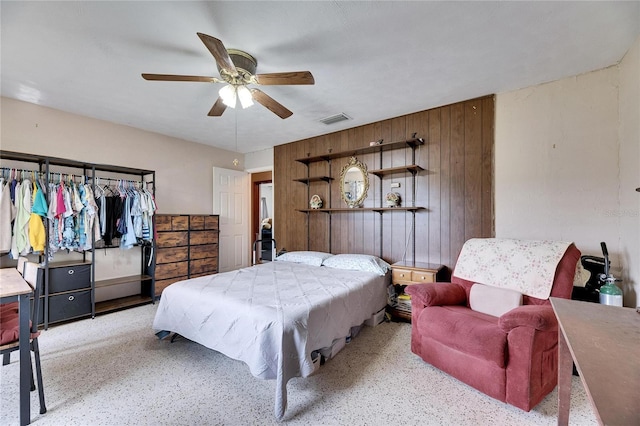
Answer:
(50, 175)
(88, 176)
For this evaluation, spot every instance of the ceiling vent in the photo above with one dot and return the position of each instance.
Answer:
(335, 118)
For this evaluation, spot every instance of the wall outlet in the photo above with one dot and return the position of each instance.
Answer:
(395, 184)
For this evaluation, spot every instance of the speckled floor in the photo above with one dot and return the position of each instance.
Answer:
(112, 370)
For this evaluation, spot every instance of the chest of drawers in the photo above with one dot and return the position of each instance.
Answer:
(187, 247)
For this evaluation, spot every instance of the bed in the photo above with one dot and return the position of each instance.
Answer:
(272, 316)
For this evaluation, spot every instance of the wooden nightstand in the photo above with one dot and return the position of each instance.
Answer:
(408, 273)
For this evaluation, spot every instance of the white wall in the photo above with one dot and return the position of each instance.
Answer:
(629, 212)
(183, 169)
(259, 161)
(184, 177)
(566, 163)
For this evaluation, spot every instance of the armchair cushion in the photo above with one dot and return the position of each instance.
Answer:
(493, 300)
(540, 317)
(436, 294)
(461, 329)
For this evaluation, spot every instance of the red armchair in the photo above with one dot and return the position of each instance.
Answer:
(512, 357)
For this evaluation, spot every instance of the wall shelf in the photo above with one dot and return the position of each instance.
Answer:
(413, 169)
(362, 209)
(409, 143)
(315, 179)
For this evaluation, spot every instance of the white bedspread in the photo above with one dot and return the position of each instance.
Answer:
(271, 316)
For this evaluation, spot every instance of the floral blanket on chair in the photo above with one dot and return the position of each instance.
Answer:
(528, 266)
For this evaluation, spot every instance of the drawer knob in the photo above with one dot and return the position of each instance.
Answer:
(423, 277)
(71, 298)
(402, 275)
(70, 271)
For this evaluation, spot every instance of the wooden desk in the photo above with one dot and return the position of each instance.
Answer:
(604, 343)
(12, 288)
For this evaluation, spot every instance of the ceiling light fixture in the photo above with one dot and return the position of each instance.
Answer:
(231, 93)
(244, 94)
(228, 95)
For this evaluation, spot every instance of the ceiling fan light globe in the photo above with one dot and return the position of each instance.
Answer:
(245, 96)
(228, 95)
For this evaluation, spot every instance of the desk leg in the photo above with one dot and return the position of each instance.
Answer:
(25, 360)
(565, 369)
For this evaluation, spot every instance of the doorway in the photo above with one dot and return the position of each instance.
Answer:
(262, 226)
(230, 201)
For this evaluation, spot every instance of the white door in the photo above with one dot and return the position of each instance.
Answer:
(231, 202)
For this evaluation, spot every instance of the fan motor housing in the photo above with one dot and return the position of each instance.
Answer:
(245, 65)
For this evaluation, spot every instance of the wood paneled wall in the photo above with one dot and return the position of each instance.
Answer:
(456, 187)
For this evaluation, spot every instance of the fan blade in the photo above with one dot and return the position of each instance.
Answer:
(219, 52)
(271, 104)
(217, 109)
(171, 77)
(296, 77)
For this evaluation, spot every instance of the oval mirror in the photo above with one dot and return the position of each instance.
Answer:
(354, 183)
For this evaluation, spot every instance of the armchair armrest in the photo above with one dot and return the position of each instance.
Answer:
(436, 294)
(540, 317)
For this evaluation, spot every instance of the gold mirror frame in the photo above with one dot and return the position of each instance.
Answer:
(360, 187)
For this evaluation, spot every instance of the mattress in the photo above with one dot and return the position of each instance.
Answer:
(272, 316)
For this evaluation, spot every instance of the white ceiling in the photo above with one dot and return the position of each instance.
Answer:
(370, 60)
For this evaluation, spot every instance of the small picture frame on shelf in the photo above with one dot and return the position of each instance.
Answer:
(315, 202)
(393, 199)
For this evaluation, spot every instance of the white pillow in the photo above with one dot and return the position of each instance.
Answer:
(493, 300)
(358, 262)
(313, 258)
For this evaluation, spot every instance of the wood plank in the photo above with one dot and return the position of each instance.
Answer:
(399, 225)
(361, 150)
(203, 251)
(122, 303)
(473, 169)
(444, 196)
(12, 283)
(454, 194)
(196, 222)
(180, 222)
(604, 342)
(487, 203)
(457, 212)
(212, 222)
(171, 270)
(203, 237)
(123, 280)
(163, 222)
(172, 254)
(172, 239)
(200, 266)
(162, 284)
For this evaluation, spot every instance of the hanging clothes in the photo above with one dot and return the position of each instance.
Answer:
(20, 240)
(7, 214)
(126, 214)
(37, 233)
(36, 214)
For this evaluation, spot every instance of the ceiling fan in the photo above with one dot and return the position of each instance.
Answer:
(237, 69)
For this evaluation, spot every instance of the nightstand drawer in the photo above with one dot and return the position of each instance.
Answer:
(400, 276)
(423, 276)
